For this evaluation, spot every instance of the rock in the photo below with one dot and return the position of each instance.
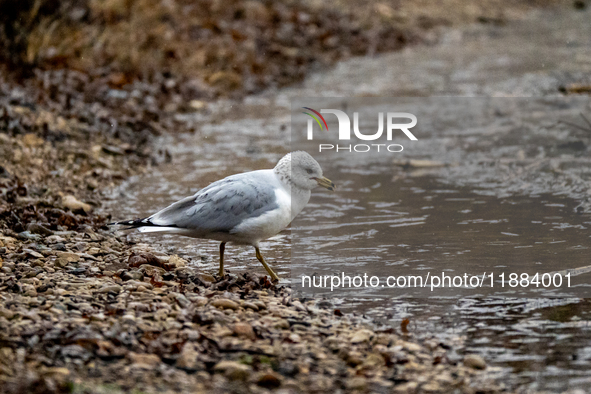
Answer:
(269, 380)
(32, 140)
(28, 236)
(410, 346)
(32, 253)
(294, 338)
(333, 343)
(132, 275)
(188, 358)
(198, 300)
(115, 150)
(445, 378)
(356, 383)
(288, 368)
(299, 307)
(95, 251)
(384, 10)
(255, 10)
(374, 360)
(144, 361)
(177, 261)
(68, 257)
(39, 229)
(8, 314)
(97, 317)
(197, 104)
(161, 314)
(76, 351)
(250, 305)
(75, 205)
(233, 370)
(139, 306)
(137, 259)
(474, 361)
(223, 331)
(282, 324)
(59, 373)
(182, 300)
(353, 359)
(225, 80)
(6, 355)
(7, 241)
(55, 239)
(224, 303)
(128, 319)
(150, 270)
(110, 288)
(362, 335)
(242, 373)
(206, 278)
(244, 330)
(410, 387)
(30, 291)
(61, 263)
(132, 285)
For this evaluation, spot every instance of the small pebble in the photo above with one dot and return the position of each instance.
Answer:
(224, 303)
(474, 361)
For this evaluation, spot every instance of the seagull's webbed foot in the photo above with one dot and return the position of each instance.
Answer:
(222, 248)
(273, 275)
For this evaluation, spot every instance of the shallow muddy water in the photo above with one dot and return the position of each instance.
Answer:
(511, 200)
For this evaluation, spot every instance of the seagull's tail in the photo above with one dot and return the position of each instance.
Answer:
(160, 229)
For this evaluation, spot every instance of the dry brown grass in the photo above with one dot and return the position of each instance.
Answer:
(227, 45)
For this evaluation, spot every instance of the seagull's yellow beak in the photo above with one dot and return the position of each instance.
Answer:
(326, 183)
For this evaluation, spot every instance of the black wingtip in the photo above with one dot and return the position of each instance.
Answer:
(134, 223)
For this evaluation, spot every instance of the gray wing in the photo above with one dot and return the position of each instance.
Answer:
(222, 205)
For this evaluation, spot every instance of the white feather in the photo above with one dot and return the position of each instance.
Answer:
(154, 229)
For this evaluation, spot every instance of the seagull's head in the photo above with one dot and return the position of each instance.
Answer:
(304, 171)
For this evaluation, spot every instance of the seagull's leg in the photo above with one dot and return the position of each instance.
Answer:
(222, 248)
(269, 270)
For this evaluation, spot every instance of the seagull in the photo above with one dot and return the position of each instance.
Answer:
(244, 208)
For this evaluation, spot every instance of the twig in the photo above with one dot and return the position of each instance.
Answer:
(586, 120)
(574, 125)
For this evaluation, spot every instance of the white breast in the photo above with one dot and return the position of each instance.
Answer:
(253, 230)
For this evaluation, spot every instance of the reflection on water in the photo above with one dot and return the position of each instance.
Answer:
(459, 218)
(424, 228)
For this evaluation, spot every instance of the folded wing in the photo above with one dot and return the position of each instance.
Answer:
(219, 207)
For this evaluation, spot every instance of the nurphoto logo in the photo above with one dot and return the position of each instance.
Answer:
(345, 130)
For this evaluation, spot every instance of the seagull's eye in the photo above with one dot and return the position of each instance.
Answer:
(309, 171)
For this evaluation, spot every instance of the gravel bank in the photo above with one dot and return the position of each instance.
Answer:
(86, 311)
